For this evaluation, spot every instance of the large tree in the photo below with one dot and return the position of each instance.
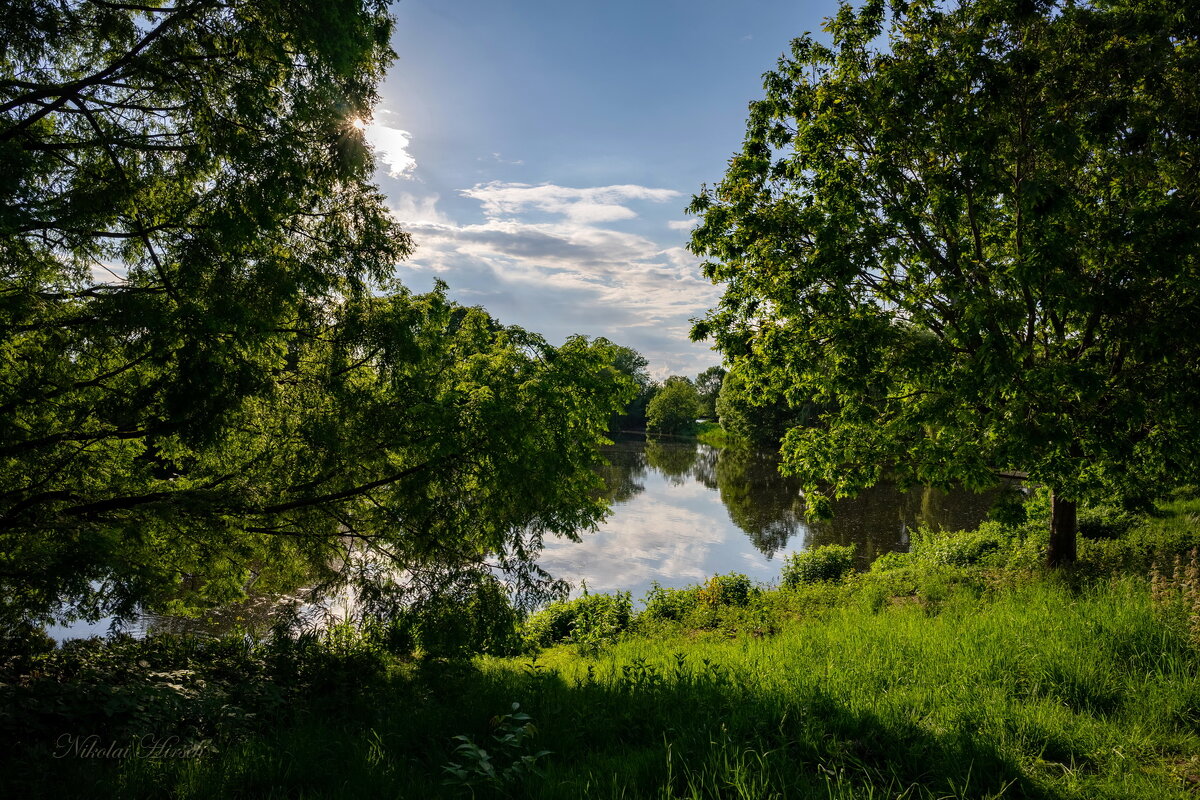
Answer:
(971, 233)
(207, 374)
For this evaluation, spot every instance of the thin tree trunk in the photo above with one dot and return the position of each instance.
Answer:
(1061, 551)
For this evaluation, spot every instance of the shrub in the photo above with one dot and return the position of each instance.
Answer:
(734, 589)
(669, 604)
(892, 561)
(830, 562)
(960, 548)
(1107, 522)
(990, 545)
(589, 619)
(474, 618)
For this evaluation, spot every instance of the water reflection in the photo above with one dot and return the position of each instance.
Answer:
(767, 506)
(672, 459)
(683, 511)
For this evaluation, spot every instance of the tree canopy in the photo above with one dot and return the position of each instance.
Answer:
(674, 408)
(970, 234)
(632, 364)
(208, 376)
(708, 386)
(758, 420)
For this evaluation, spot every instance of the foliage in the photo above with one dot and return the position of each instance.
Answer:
(991, 544)
(1175, 592)
(200, 691)
(670, 604)
(849, 704)
(708, 386)
(674, 408)
(589, 619)
(754, 418)
(830, 562)
(513, 763)
(734, 589)
(211, 379)
(1107, 522)
(920, 681)
(474, 617)
(971, 234)
(632, 364)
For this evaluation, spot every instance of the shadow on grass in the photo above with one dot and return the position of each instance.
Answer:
(685, 730)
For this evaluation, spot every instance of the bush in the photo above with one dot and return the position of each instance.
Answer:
(1107, 522)
(892, 561)
(669, 604)
(734, 589)
(589, 619)
(474, 618)
(830, 562)
(959, 548)
(990, 545)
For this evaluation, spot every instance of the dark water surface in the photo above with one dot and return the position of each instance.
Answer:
(684, 511)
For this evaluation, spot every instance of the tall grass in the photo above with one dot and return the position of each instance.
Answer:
(957, 672)
(1039, 691)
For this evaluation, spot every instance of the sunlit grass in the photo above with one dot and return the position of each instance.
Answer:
(977, 683)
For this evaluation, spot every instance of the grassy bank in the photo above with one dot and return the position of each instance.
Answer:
(959, 670)
(713, 434)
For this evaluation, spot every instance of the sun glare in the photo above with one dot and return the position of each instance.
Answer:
(358, 123)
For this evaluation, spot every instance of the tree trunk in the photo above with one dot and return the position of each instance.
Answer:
(1061, 551)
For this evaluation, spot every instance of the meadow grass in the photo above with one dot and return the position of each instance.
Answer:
(924, 680)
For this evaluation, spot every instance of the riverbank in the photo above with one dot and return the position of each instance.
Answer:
(713, 435)
(958, 670)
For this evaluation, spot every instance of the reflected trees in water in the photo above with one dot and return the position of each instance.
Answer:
(675, 460)
(768, 507)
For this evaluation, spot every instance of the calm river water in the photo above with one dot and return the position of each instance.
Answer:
(683, 511)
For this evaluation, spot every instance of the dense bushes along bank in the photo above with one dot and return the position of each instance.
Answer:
(957, 670)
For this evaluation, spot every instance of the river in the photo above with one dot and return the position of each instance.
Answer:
(683, 511)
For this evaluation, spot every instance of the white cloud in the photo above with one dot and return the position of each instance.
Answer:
(681, 224)
(594, 204)
(412, 210)
(391, 147)
(569, 274)
(108, 273)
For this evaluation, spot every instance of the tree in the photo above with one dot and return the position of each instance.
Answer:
(632, 364)
(977, 244)
(761, 421)
(674, 408)
(708, 385)
(208, 376)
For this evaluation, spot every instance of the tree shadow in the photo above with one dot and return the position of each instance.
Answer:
(689, 729)
(679, 727)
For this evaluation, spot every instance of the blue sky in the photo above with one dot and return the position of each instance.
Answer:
(542, 154)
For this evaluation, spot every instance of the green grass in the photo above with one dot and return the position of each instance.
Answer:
(712, 434)
(959, 671)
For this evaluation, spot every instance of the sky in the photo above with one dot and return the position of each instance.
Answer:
(542, 154)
